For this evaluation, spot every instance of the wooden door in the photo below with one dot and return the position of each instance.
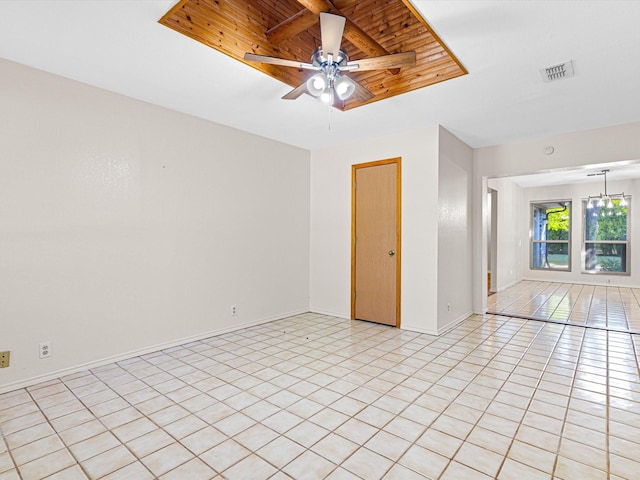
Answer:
(375, 255)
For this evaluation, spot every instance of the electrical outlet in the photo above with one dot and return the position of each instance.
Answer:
(234, 310)
(448, 307)
(4, 359)
(45, 349)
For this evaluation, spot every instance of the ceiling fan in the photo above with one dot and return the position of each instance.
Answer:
(330, 61)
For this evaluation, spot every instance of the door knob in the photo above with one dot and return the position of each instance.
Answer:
(392, 253)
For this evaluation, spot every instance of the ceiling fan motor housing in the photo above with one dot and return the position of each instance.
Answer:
(329, 80)
(319, 61)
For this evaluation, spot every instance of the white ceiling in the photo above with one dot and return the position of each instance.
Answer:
(118, 45)
(616, 172)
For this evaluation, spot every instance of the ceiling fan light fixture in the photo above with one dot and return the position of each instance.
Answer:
(344, 87)
(317, 84)
(326, 96)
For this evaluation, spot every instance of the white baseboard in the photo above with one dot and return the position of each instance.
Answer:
(509, 285)
(136, 353)
(440, 330)
(426, 331)
(331, 314)
(453, 323)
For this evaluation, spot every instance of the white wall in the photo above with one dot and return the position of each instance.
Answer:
(330, 280)
(576, 193)
(455, 239)
(124, 226)
(511, 215)
(599, 146)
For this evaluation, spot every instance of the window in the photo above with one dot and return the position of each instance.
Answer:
(550, 235)
(606, 241)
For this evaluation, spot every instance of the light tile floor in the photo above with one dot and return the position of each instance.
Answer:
(316, 397)
(612, 308)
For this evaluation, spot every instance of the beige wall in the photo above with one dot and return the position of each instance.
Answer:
(455, 241)
(511, 215)
(125, 227)
(436, 221)
(330, 279)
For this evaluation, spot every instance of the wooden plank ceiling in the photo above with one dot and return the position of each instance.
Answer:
(291, 29)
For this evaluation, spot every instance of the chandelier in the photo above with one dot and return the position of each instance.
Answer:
(605, 200)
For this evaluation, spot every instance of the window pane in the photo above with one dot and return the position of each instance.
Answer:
(606, 257)
(551, 221)
(558, 224)
(551, 255)
(602, 223)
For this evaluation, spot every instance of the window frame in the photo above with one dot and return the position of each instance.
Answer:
(626, 242)
(533, 242)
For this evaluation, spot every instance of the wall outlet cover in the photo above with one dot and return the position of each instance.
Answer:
(45, 349)
(5, 357)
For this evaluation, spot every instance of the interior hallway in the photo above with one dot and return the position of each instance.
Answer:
(315, 397)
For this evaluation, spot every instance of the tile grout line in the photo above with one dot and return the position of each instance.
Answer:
(573, 307)
(565, 296)
(593, 292)
(462, 350)
(381, 428)
(569, 396)
(549, 358)
(10, 453)
(433, 383)
(354, 415)
(458, 395)
(562, 322)
(305, 448)
(635, 297)
(608, 412)
(57, 434)
(515, 365)
(532, 289)
(521, 327)
(536, 286)
(409, 403)
(68, 447)
(550, 298)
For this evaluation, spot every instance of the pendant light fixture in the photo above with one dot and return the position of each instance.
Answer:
(605, 200)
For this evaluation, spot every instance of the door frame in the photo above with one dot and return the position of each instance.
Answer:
(493, 240)
(354, 168)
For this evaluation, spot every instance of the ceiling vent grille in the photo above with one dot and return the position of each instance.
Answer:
(557, 72)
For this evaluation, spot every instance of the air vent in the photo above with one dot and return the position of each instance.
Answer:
(557, 72)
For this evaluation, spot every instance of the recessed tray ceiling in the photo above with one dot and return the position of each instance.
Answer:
(290, 29)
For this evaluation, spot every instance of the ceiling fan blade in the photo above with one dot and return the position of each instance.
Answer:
(296, 92)
(361, 93)
(385, 62)
(252, 57)
(331, 29)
